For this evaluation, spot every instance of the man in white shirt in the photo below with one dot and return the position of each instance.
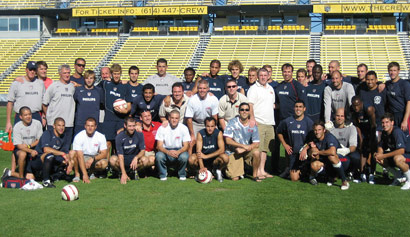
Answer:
(262, 101)
(89, 152)
(162, 81)
(200, 106)
(172, 145)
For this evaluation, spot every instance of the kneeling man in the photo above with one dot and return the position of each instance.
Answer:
(89, 152)
(210, 150)
(130, 149)
(172, 146)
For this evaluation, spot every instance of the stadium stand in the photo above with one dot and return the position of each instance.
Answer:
(257, 51)
(26, 4)
(375, 51)
(101, 3)
(57, 51)
(255, 2)
(178, 2)
(381, 28)
(144, 52)
(68, 31)
(13, 49)
(339, 28)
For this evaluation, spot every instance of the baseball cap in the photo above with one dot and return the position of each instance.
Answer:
(31, 65)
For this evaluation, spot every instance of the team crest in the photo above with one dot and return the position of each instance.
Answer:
(285, 87)
(31, 87)
(314, 90)
(130, 141)
(28, 131)
(115, 88)
(377, 100)
(340, 134)
(89, 93)
(298, 126)
(133, 91)
(148, 106)
(66, 89)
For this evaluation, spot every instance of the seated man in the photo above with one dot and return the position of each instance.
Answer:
(210, 150)
(89, 151)
(130, 149)
(243, 143)
(327, 145)
(293, 133)
(347, 138)
(172, 146)
(393, 150)
(26, 135)
(51, 151)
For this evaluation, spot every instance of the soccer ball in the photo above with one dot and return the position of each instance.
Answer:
(120, 103)
(204, 177)
(69, 193)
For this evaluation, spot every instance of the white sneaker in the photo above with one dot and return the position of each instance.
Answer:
(329, 184)
(402, 179)
(345, 185)
(371, 179)
(92, 176)
(182, 178)
(163, 179)
(363, 177)
(406, 186)
(395, 182)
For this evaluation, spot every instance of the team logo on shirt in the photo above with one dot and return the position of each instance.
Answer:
(285, 87)
(177, 138)
(66, 89)
(148, 106)
(214, 83)
(298, 126)
(115, 88)
(130, 141)
(31, 87)
(28, 131)
(377, 100)
(96, 144)
(340, 134)
(314, 90)
(89, 93)
(133, 91)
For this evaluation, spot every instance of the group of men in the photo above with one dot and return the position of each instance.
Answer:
(330, 125)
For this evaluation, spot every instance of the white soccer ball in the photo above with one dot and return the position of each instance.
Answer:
(121, 103)
(69, 192)
(204, 177)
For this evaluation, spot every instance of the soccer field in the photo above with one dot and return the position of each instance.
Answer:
(149, 207)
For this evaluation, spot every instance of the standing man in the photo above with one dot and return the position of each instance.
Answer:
(242, 145)
(337, 95)
(29, 92)
(147, 101)
(393, 151)
(398, 97)
(314, 95)
(200, 106)
(210, 150)
(26, 135)
(89, 152)
(134, 88)
(309, 68)
(216, 83)
(77, 78)
(130, 148)
(172, 147)
(88, 100)
(293, 133)
(179, 101)
(59, 102)
(229, 103)
(42, 73)
(261, 102)
(162, 81)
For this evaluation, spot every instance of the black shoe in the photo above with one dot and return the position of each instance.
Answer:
(285, 174)
(48, 185)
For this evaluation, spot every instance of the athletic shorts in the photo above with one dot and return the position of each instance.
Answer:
(28, 157)
(296, 164)
(34, 165)
(110, 128)
(209, 163)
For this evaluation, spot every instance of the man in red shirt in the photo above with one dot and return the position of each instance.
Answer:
(149, 129)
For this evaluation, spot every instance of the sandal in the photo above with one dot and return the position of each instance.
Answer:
(257, 179)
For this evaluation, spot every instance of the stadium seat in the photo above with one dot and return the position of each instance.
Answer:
(101, 3)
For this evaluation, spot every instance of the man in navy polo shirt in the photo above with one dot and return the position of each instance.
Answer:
(216, 83)
(134, 88)
(314, 95)
(147, 101)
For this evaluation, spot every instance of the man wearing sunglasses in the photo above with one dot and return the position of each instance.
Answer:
(229, 103)
(77, 78)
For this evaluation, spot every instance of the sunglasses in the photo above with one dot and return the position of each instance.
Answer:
(247, 110)
(80, 65)
(231, 87)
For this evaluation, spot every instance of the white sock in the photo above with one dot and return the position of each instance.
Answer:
(218, 172)
(407, 174)
(338, 165)
(320, 170)
(9, 173)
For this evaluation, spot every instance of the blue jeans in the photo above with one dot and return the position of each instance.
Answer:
(161, 161)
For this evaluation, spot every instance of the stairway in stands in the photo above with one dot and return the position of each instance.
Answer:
(23, 58)
(199, 50)
(113, 51)
(405, 45)
(315, 46)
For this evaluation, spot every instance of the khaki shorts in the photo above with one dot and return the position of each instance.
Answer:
(236, 166)
(266, 137)
(149, 153)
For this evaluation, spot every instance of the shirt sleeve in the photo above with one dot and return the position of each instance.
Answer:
(255, 134)
(47, 95)
(353, 136)
(17, 139)
(215, 106)
(159, 136)
(189, 112)
(11, 96)
(350, 94)
(252, 96)
(282, 127)
(77, 143)
(228, 132)
(141, 141)
(327, 102)
(118, 145)
(221, 109)
(39, 131)
(400, 139)
(187, 137)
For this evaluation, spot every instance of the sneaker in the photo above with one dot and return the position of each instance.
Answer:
(6, 173)
(395, 182)
(385, 173)
(241, 177)
(182, 178)
(357, 181)
(136, 175)
(92, 176)
(329, 184)
(402, 179)
(363, 177)
(313, 181)
(350, 176)
(163, 179)
(406, 186)
(345, 185)
(285, 174)
(219, 176)
(47, 184)
(371, 179)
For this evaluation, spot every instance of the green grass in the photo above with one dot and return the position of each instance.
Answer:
(149, 207)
